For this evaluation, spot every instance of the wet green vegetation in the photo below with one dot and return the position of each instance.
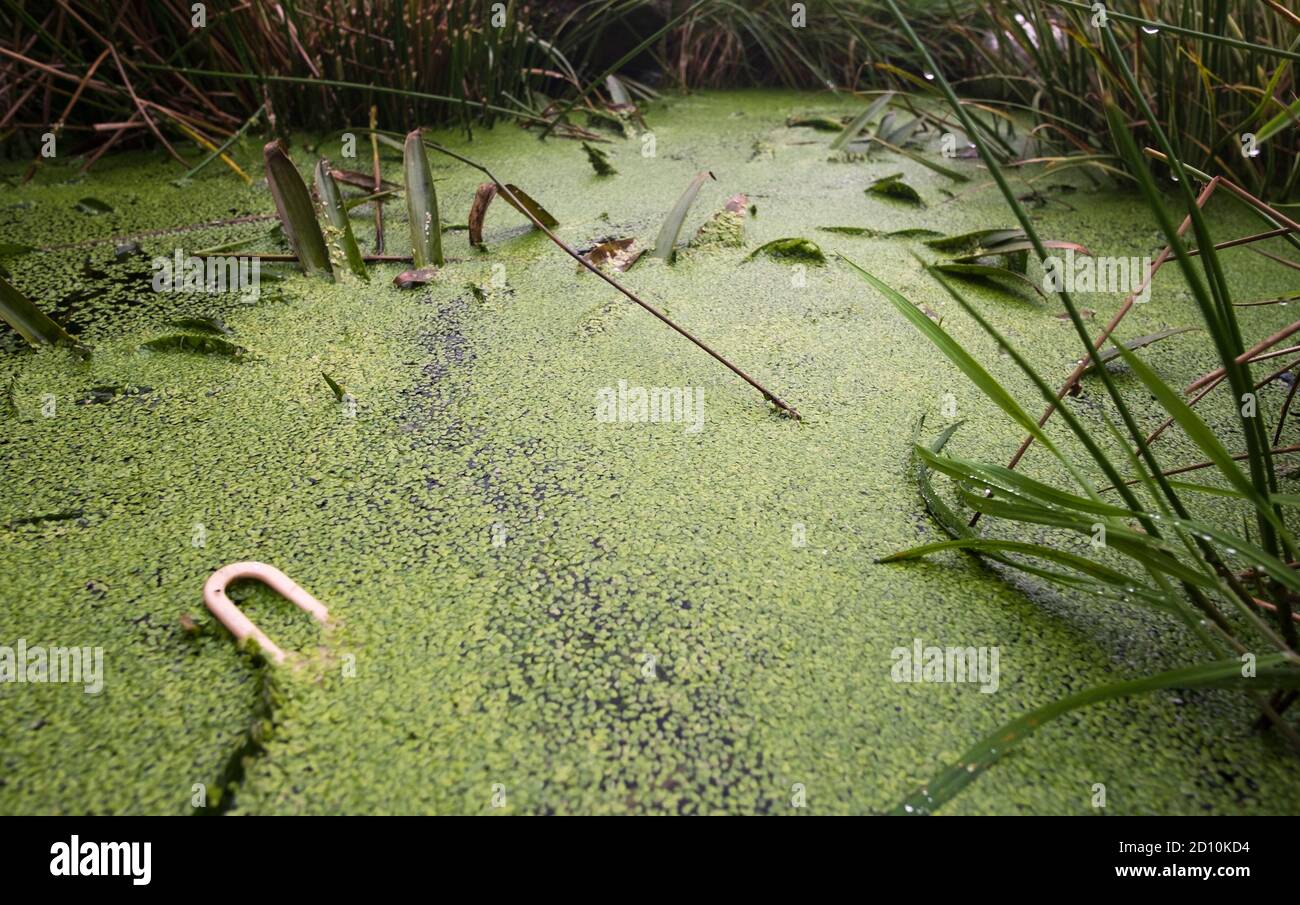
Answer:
(598, 617)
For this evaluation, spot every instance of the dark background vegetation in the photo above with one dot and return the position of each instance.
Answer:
(117, 75)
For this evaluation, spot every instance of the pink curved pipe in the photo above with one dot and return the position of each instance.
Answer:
(214, 596)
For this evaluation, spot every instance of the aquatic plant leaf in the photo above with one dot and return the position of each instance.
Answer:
(900, 135)
(297, 212)
(478, 211)
(620, 254)
(850, 230)
(410, 279)
(994, 545)
(599, 160)
(421, 204)
(820, 123)
(94, 207)
(201, 345)
(213, 325)
(617, 93)
(336, 215)
(527, 202)
(335, 387)
(1272, 671)
(859, 122)
(975, 239)
(664, 245)
(1008, 249)
(893, 186)
(912, 233)
(791, 249)
(924, 161)
(31, 323)
(1110, 352)
(1195, 428)
(986, 272)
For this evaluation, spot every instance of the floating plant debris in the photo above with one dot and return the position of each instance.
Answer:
(791, 249)
(213, 325)
(618, 254)
(198, 345)
(94, 207)
(599, 160)
(415, 277)
(726, 228)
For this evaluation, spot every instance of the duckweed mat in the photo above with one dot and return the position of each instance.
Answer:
(538, 610)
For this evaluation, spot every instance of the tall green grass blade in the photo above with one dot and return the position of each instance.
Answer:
(1272, 671)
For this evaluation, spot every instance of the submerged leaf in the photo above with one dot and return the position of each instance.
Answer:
(986, 272)
(916, 232)
(850, 230)
(212, 325)
(421, 204)
(93, 206)
(297, 213)
(202, 345)
(975, 239)
(791, 249)
(893, 186)
(599, 160)
(664, 245)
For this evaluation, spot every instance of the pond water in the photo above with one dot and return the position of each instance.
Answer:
(537, 608)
